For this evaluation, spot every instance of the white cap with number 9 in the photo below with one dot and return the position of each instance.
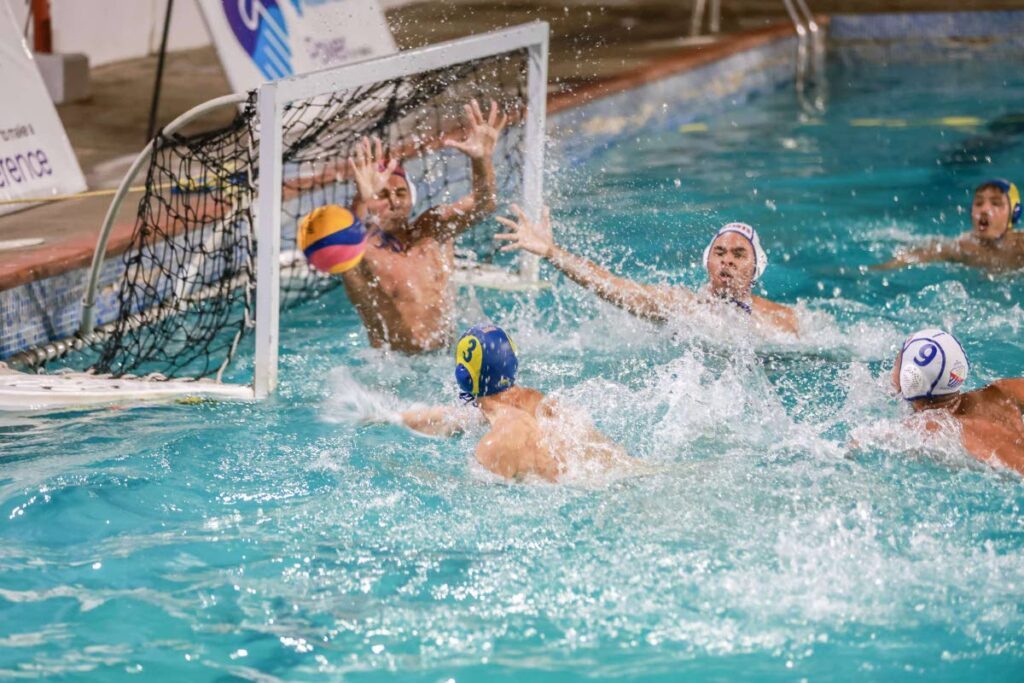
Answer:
(932, 363)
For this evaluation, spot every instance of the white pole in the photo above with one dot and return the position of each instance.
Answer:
(697, 17)
(533, 166)
(268, 241)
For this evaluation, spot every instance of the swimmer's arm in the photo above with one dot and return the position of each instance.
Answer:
(439, 420)
(360, 208)
(778, 316)
(449, 220)
(652, 302)
(937, 251)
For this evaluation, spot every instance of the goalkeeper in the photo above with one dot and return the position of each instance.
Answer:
(402, 287)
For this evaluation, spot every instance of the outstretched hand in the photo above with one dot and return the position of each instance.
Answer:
(483, 133)
(533, 237)
(368, 169)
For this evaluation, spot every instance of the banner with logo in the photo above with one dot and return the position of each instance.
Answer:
(36, 159)
(264, 40)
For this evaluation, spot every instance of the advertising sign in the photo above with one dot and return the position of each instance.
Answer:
(36, 159)
(264, 40)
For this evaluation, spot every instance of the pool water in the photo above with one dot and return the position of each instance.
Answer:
(283, 541)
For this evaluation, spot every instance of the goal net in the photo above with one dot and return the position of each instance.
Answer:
(213, 255)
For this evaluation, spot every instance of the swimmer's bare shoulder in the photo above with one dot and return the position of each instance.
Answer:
(1011, 388)
(777, 315)
(990, 419)
(513, 448)
(1009, 255)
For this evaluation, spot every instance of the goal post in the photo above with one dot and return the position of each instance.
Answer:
(276, 95)
(268, 235)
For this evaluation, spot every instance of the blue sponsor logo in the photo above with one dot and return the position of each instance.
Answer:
(261, 30)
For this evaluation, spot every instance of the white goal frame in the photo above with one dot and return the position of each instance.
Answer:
(20, 391)
(275, 95)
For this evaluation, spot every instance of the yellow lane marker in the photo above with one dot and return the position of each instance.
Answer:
(959, 121)
(878, 123)
(943, 122)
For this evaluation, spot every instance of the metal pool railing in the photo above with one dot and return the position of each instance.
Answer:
(810, 60)
(813, 60)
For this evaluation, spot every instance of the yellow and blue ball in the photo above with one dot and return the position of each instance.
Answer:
(485, 362)
(332, 239)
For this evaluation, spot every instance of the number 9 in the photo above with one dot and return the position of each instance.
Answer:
(926, 355)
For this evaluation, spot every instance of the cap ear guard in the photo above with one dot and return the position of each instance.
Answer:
(1013, 195)
(412, 189)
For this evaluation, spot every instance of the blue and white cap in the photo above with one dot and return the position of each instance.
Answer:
(760, 257)
(932, 363)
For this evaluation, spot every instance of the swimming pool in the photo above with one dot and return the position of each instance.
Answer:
(277, 541)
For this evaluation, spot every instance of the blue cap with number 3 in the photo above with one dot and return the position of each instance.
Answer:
(932, 363)
(485, 362)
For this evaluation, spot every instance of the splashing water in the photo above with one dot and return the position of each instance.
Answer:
(793, 525)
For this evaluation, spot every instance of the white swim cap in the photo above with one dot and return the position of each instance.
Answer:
(932, 364)
(760, 258)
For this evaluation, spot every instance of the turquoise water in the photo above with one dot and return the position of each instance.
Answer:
(280, 541)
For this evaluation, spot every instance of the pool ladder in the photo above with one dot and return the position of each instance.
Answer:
(810, 47)
(808, 61)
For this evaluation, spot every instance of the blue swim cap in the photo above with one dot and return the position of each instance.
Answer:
(1012, 196)
(485, 362)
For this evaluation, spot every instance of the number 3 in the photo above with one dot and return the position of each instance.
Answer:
(926, 355)
(471, 347)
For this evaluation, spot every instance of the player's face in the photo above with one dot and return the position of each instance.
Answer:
(990, 213)
(731, 265)
(393, 204)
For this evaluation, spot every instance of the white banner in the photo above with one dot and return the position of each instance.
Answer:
(264, 40)
(36, 159)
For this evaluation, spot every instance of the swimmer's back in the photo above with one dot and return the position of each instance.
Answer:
(514, 447)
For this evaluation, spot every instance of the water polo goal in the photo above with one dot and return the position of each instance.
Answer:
(212, 258)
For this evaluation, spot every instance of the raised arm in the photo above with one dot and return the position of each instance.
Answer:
(652, 302)
(448, 220)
